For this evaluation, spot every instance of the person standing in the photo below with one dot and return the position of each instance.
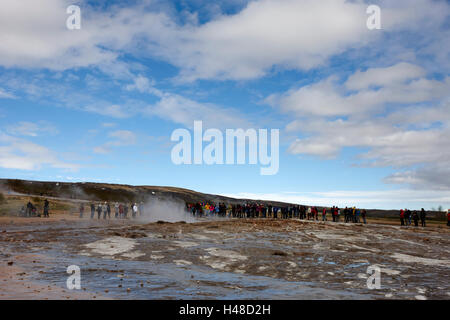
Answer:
(46, 208)
(92, 210)
(198, 209)
(99, 211)
(423, 216)
(108, 210)
(402, 217)
(121, 211)
(116, 210)
(135, 210)
(105, 210)
(409, 216)
(29, 209)
(448, 217)
(363, 215)
(81, 210)
(216, 209)
(324, 214)
(415, 217)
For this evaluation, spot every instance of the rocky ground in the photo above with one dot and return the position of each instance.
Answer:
(221, 259)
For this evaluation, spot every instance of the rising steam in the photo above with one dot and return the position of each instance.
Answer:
(156, 209)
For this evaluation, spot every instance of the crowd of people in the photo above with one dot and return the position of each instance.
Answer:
(336, 214)
(120, 210)
(406, 216)
(255, 210)
(102, 209)
(30, 210)
(247, 210)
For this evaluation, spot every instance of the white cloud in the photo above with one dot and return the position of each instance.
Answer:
(262, 37)
(415, 141)
(108, 124)
(6, 95)
(292, 34)
(389, 145)
(35, 35)
(396, 84)
(31, 129)
(16, 153)
(287, 33)
(398, 116)
(119, 138)
(122, 138)
(433, 177)
(144, 85)
(114, 110)
(396, 74)
(39, 88)
(169, 106)
(185, 111)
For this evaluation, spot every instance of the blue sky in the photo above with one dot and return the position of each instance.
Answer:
(363, 114)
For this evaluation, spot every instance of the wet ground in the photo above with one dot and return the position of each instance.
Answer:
(228, 259)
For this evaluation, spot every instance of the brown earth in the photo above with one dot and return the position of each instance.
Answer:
(241, 259)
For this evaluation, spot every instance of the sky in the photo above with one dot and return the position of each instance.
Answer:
(363, 114)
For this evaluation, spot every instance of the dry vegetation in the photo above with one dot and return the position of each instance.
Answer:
(11, 205)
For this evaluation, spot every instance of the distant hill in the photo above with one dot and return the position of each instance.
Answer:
(125, 193)
(111, 192)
